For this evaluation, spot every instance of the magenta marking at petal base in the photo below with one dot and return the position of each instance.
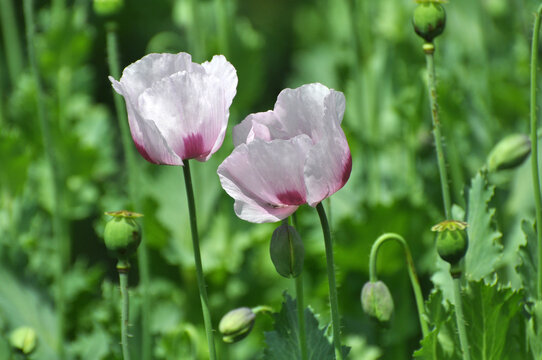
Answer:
(143, 152)
(291, 197)
(347, 169)
(193, 146)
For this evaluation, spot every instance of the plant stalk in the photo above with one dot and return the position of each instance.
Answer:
(12, 45)
(534, 146)
(123, 267)
(460, 320)
(197, 259)
(333, 299)
(429, 50)
(133, 180)
(411, 273)
(59, 230)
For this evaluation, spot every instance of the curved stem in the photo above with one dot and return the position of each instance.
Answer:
(133, 180)
(59, 230)
(411, 273)
(429, 49)
(123, 267)
(333, 299)
(534, 145)
(460, 320)
(197, 259)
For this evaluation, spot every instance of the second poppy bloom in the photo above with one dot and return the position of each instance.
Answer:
(292, 155)
(177, 109)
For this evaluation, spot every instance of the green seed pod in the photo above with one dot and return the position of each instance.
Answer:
(429, 20)
(107, 7)
(509, 153)
(287, 251)
(452, 242)
(23, 339)
(122, 234)
(236, 324)
(376, 301)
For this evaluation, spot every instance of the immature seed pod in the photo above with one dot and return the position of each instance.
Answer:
(107, 7)
(509, 153)
(236, 324)
(452, 242)
(429, 20)
(122, 234)
(23, 340)
(376, 301)
(287, 251)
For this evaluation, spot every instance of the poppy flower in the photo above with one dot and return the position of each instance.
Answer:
(177, 109)
(295, 154)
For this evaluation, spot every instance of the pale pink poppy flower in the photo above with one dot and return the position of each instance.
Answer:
(295, 154)
(177, 109)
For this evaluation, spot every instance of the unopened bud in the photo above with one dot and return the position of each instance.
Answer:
(452, 242)
(23, 339)
(107, 7)
(429, 20)
(236, 324)
(376, 301)
(287, 251)
(509, 153)
(122, 234)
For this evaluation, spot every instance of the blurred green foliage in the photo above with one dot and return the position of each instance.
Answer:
(368, 50)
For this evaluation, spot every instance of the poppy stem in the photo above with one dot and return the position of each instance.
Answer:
(197, 259)
(300, 306)
(59, 226)
(133, 179)
(411, 273)
(333, 299)
(534, 146)
(123, 267)
(460, 320)
(12, 47)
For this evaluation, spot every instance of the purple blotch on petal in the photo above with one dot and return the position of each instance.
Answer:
(193, 146)
(347, 169)
(143, 152)
(291, 197)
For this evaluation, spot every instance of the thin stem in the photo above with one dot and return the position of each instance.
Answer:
(123, 267)
(333, 299)
(197, 259)
(534, 144)
(301, 316)
(12, 45)
(59, 231)
(429, 49)
(133, 180)
(460, 320)
(411, 273)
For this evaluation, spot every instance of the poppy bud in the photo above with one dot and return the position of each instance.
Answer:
(509, 153)
(287, 251)
(122, 234)
(376, 300)
(23, 339)
(107, 7)
(236, 324)
(429, 20)
(452, 242)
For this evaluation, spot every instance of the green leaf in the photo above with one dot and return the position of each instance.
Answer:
(534, 330)
(442, 342)
(283, 341)
(490, 311)
(527, 252)
(484, 250)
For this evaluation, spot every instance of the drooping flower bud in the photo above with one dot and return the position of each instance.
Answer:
(122, 234)
(376, 301)
(287, 251)
(236, 324)
(23, 339)
(429, 19)
(107, 7)
(509, 153)
(452, 242)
